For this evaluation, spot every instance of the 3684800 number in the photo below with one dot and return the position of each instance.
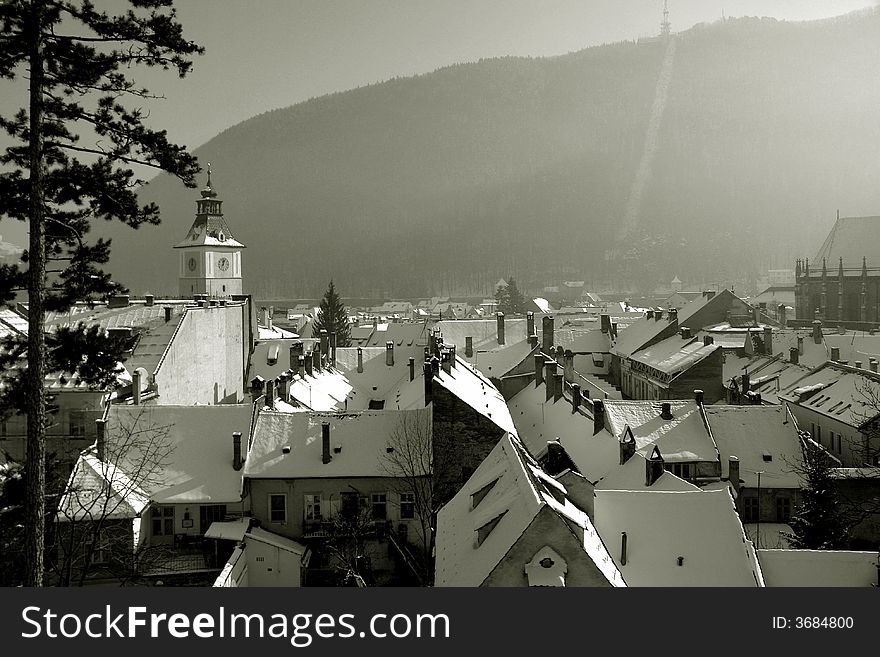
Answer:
(823, 622)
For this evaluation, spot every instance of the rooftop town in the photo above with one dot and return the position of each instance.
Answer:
(570, 441)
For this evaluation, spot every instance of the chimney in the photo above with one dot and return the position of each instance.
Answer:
(325, 443)
(780, 314)
(213, 303)
(650, 314)
(710, 294)
(435, 366)
(698, 396)
(264, 312)
(575, 397)
(101, 438)
(793, 355)
(168, 310)
(558, 383)
(389, 353)
(672, 314)
(325, 344)
(445, 361)
(872, 364)
(557, 460)
(222, 303)
(412, 368)
(605, 323)
(271, 315)
(257, 385)
(530, 324)
(309, 362)
(296, 350)
(733, 474)
(858, 364)
(598, 416)
(653, 467)
(568, 365)
(202, 303)
(627, 446)
(768, 340)
(148, 300)
(685, 333)
(333, 349)
(817, 331)
(452, 356)
(270, 393)
(237, 461)
(666, 411)
(533, 340)
(835, 353)
(469, 347)
(316, 358)
(745, 383)
(118, 301)
(499, 321)
(429, 382)
(283, 382)
(539, 369)
(136, 387)
(547, 337)
(549, 371)
(622, 548)
(707, 340)
(800, 346)
(614, 329)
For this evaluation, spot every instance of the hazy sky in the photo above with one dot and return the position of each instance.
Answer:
(265, 54)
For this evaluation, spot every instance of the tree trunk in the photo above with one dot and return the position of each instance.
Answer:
(35, 511)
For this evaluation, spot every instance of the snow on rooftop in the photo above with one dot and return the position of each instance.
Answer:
(818, 568)
(631, 476)
(676, 538)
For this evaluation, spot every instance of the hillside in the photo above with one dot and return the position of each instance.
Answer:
(447, 181)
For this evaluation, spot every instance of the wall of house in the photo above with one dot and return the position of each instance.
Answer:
(547, 528)
(187, 522)
(852, 451)
(768, 502)
(204, 363)
(866, 534)
(271, 566)
(462, 439)
(705, 375)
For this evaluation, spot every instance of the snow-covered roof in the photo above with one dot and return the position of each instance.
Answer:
(763, 438)
(270, 538)
(673, 356)
(229, 530)
(684, 437)
(466, 553)
(99, 490)
(631, 476)
(837, 391)
(700, 530)
(290, 446)
(818, 567)
(498, 362)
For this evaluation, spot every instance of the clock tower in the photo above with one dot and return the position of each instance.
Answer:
(210, 257)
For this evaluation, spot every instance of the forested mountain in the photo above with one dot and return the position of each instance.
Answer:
(731, 153)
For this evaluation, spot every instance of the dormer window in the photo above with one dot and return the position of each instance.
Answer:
(477, 497)
(484, 531)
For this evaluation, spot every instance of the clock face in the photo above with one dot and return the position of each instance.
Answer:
(191, 264)
(223, 264)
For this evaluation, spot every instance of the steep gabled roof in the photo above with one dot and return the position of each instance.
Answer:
(851, 238)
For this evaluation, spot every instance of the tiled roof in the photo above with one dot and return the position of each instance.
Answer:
(209, 230)
(674, 355)
(818, 568)
(840, 392)
(851, 238)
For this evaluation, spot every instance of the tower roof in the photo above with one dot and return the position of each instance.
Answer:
(854, 239)
(210, 227)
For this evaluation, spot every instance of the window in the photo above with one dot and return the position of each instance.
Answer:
(783, 509)
(477, 497)
(312, 506)
(484, 531)
(76, 427)
(349, 505)
(101, 548)
(3, 429)
(163, 520)
(838, 444)
(407, 506)
(278, 508)
(379, 506)
(683, 470)
(750, 509)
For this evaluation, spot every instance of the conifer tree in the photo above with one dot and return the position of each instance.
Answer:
(333, 317)
(818, 521)
(71, 164)
(509, 299)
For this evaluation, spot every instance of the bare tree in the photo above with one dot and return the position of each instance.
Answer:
(107, 492)
(409, 463)
(348, 543)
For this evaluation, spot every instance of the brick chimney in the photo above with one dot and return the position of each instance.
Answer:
(118, 301)
(568, 365)
(412, 368)
(835, 353)
(257, 387)
(136, 385)
(710, 294)
(575, 397)
(360, 365)
(666, 411)
(389, 353)
(780, 314)
(270, 393)
(627, 446)
(530, 324)
(800, 346)
(101, 438)
(558, 383)
(237, 461)
(672, 314)
(309, 362)
(316, 359)
(148, 300)
(872, 364)
(296, 351)
(768, 340)
(168, 311)
(469, 347)
(333, 349)
(817, 331)
(429, 382)
(557, 459)
(326, 457)
(793, 355)
(539, 369)
(858, 364)
(650, 314)
(653, 467)
(707, 340)
(549, 371)
(745, 383)
(499, 322)
(547, 338)
(733, 474)
(325, 344)
(283, 383)
(598, 416)
(605, 323)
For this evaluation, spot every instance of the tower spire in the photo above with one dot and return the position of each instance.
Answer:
(664, 24)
